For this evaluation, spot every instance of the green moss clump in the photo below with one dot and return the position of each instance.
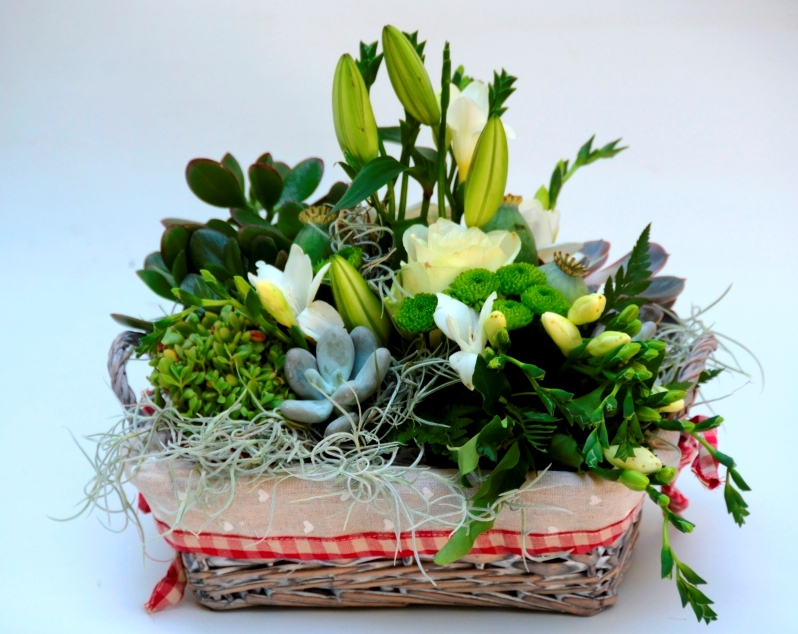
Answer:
(204, 366)
(353, 255)
(516, 314)
(545, 299)
(415, 315)
(473, 287)
(514, 279)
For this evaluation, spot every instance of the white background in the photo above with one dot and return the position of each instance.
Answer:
(101, 106)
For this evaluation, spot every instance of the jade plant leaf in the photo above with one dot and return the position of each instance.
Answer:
(230, 162)
(180, 268)
(288, 221)
(222, 227)
(174, 240)
(249, 217)
(158, 282)
(262, 249)
(214, 184)
(302, 181)
(267, 184)
(231, 258)
(207, 247)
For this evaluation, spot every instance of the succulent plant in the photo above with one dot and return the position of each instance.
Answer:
(347, 369)
(206, 364)
(262, 223)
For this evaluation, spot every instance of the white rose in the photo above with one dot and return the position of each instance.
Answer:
(439, 253)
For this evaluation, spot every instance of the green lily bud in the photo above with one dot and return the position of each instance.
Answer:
(587, 309)
(642, 460)
(487, 176)
(606, 342)
(666, 475)
(495, 324)
(562, 332)
(409, 78)
(353, 117)
(634, 480)
(355, 302)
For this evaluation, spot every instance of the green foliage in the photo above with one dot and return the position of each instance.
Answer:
(516, 314)
(498, 92)
(204, 366)
(353, 255)
(514, 279)
(451, 432)
(416, 313)
(369, 180)
(369, 63)
(624, 289)
(473, 287)
(545, 299)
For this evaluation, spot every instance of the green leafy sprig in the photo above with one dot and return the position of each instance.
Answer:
(625, 287)
(369, 63)
(498, 92)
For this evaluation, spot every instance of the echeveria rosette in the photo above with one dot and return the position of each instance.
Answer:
(346, 370)
(289, 295)
(463, 325)
(437, 254)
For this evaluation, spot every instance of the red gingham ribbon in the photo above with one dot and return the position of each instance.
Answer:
(704, 466)
(169, 590)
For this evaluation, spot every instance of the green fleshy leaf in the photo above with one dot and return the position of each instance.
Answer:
(180, 268)
(133, 322)
(461, 543)
(267, 184)
(207, 247)
(302, 181)
(230, 162)
(174, 240)
(288, 221)
(157, 282)
(467, 456)
(214, 184)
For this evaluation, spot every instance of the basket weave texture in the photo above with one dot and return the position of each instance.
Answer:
(574, 582)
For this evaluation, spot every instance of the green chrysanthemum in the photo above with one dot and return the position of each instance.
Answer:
(415, 313)
(545, 299)
(353, 255)
(516, 314)
(473, 287)
(514, 279)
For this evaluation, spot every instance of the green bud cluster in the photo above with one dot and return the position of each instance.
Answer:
(545, 299)
(516, 314)
(514, 279)
(206, 365)
(415, 315)
(473, 287)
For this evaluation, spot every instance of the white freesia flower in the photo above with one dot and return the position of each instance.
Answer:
(288, 295)
(461, 324)
(466, 116)
(439, 253)
(545, 225)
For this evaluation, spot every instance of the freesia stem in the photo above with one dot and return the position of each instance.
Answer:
(446, 79)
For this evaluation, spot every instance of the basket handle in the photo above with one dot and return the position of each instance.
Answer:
(121, 350)
(696, 363)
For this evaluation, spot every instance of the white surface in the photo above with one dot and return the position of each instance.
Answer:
(101, 106)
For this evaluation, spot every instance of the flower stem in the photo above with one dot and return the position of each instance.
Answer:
(446, 79)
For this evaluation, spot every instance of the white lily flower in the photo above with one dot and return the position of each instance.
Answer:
(289, 295)
(461, 324)
(466, 116)
(545, 225)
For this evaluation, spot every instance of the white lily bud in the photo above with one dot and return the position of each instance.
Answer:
(564, 333)
(587, 309)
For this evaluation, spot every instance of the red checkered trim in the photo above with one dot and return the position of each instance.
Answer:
(169, 590)
(355, 546)
(704, 466)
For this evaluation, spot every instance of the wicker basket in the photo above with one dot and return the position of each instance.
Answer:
(580, 584)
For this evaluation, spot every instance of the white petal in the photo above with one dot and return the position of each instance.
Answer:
(455, 319)
(546, 253)
(414, 234)
(478, 92)
(509, 132)
(465, 363)
(487, 308)
(317, 318)
(268, 273)
(314, 285)
(298, 277)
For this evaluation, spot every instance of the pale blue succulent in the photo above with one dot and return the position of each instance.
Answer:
(347, 369)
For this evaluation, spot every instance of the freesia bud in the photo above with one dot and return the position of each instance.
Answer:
(642, 460)
(587, 309)
(633, 327)
(628, 315)
(666, 475)
(674, 406)
(606, 342)
(495, 323)
(356, 303)
(409, 78)
(634, 480)
(353, 117)
(487, 176)
(562, 332)
(275, 303)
